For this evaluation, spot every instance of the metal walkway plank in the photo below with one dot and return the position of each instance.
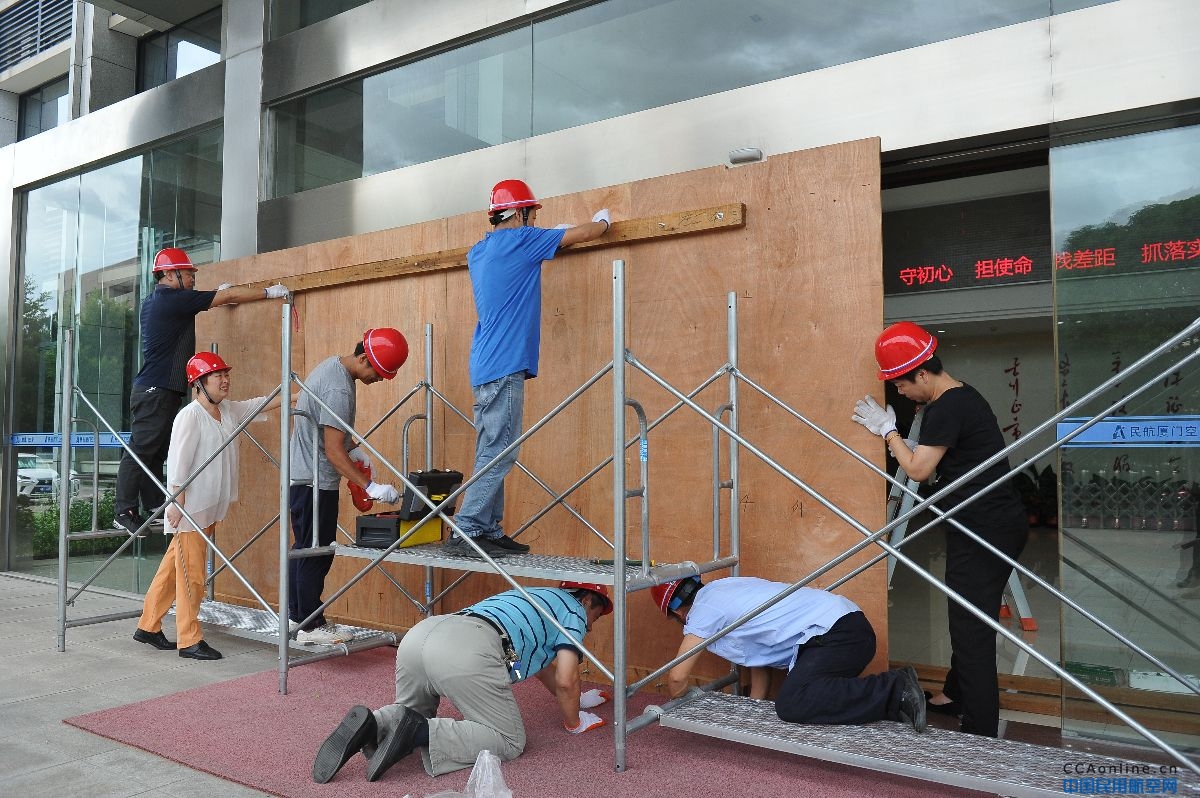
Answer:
(258, 624)
(536, 566)
(961, 760)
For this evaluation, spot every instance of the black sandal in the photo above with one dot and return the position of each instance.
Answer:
(950, 708)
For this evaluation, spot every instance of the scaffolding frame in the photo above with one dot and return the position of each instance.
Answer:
(625, 579)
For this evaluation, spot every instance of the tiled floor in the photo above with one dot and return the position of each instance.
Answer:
(102, 667)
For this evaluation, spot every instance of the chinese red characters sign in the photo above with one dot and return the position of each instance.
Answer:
(990, 242)
(1155, 254)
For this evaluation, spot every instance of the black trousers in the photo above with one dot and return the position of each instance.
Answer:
(306, 576)
(151, 414)
(823, 686)
(980, 578)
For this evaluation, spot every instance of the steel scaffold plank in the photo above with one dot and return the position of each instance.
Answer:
(1006, 767)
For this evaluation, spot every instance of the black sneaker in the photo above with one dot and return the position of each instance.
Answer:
(130, 521)
(398, 744)
(352, 735)
(457, 547)
(508, 544)
(912, 700)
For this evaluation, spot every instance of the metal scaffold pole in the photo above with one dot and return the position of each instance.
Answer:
(735, 529)
(285, 478)
(620, 699)
(428, 392)
(64, 480)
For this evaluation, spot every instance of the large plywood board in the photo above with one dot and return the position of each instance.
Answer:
(805, 266)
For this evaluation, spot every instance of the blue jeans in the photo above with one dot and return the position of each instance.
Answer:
(499, 406)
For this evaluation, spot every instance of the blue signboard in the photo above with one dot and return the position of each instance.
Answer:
(1133, 431)
(54, 439)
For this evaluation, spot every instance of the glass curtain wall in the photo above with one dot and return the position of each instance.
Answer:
(44, 108)
(1127, 274)
(288, 16)
(598, 62)
(467, 99)
(188, 48)
(87, 245)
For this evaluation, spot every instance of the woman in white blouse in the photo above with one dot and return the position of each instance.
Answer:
(197, 433)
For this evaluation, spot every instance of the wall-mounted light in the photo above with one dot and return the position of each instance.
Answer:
(745, 155)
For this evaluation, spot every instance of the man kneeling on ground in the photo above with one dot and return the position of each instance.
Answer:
(821, 639)
(473, 658)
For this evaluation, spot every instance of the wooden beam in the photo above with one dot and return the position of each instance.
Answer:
(629, 231)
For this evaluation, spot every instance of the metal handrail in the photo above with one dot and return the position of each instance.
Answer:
(943, 516)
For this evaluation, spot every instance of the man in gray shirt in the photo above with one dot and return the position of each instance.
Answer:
(377, 357)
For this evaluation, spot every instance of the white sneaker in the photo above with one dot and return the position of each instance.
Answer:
(326, 635)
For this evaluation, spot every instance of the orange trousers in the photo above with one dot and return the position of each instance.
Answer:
(179, 581)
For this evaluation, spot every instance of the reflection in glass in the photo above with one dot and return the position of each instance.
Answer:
(597, 62)
(1127, 271)
(456, 102)
(44, 108)
(292, 15)
(187, 48)
(623, 56)
(87, 243)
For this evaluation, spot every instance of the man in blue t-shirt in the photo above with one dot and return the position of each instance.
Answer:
(473, 658)
(823, 641)
(168, 326)
(506, 278)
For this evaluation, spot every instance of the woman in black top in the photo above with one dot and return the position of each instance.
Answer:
(958, 432)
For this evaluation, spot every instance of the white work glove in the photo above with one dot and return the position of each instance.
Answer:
(592, 698)
(277, 291)
(602, 216)
(587, 722)
(563, 226)
(357, 455)
(223, 286)
(880, 420)
(383, 493)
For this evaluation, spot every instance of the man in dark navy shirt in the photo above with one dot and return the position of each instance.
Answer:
(168, 326)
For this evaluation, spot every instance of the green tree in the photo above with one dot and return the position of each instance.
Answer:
(34, 383)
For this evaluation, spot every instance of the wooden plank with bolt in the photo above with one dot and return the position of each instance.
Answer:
(629, 231)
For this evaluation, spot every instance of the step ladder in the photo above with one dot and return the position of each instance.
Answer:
(1005, 767)
(899, 502)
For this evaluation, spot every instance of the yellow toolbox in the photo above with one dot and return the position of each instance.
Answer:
(380, 530)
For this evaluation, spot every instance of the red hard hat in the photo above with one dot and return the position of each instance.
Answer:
(205, 363)
(599, 590)
(664, 593)
(509, 194)
(386, 350)
(901, 348)
(172, 260)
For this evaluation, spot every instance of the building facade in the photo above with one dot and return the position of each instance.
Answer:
(1041, 171)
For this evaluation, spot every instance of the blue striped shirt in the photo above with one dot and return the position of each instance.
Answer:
(535, 638)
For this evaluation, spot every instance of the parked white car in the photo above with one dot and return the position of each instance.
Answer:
(37, 478)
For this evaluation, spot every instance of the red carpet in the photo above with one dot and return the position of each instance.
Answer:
(244, 731)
